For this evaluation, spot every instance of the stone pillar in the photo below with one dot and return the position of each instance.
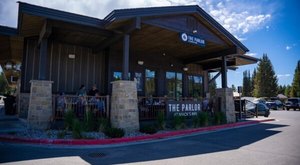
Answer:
(124, 106)
(227, 103)
(40, 104)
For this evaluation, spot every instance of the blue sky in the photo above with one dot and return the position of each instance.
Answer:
(264, 26)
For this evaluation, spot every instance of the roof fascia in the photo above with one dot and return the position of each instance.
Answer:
(25, 8)
(8, 31)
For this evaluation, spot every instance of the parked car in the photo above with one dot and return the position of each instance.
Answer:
(271, 105)
(293, 103)
(2, 100)
(262, 109)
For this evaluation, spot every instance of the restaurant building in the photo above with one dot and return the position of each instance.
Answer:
(143, 52)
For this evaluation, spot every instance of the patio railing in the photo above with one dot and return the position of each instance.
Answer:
(150, 107)
(80, 105)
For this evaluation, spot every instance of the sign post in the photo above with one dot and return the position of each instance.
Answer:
(240, 94)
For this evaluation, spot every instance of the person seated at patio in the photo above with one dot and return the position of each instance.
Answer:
(205, 104)
(81, 91)
(80, 108)
(93, 91)
(97, 103)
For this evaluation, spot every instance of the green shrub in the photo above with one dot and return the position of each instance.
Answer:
(148, 129)
(219, 118)
(102, 124)
(77, 129)
(69, 117)
(89, 121)
(178, 122)
(161, 124)
(114, 132)
(61, 134)
(203, 117)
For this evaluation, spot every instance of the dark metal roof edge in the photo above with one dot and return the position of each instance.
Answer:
(8, 31)
(59, 15)
(148, 11)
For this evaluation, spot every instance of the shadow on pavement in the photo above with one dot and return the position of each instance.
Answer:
(188, 146)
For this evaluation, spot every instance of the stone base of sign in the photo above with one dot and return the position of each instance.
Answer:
(40, 104)
(23, 104)
(124, 106)
(227, 103)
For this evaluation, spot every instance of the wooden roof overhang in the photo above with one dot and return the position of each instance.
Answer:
(61, 26)
(159, 30)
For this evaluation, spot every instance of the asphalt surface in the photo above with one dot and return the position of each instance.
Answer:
(266, 143)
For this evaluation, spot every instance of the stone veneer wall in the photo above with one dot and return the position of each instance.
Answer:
(40, 104)
(23, 104)
(124, 106)
(227, 103)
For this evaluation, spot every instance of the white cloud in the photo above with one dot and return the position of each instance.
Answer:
(238, 17)
(283, 75)
(288, 47)
(251, 54)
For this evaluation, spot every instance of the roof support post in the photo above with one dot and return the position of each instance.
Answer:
(125, 70)
(224, 72)
(43, 59)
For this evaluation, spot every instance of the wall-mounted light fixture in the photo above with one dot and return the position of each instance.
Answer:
(72, 56)
(195, 31)
(185, 69)
(171, 65)
(140, 62)
(164, 54)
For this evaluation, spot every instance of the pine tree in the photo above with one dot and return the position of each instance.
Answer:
(246, 83)
(265, 79)
(281, 89)
(287, 91)
(233, 88)
(253, 81)
(295, 89)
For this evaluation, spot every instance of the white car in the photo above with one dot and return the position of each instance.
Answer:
(2, 100)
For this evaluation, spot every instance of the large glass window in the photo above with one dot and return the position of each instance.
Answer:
(174, 84)
(150, 83)
(195, 86)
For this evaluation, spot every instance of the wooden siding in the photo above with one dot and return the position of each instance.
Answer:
(67, 74)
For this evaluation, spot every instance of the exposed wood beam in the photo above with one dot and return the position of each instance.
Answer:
(80, 28)
(214, 78)
(229, 51)
(45, 32)
(216, 65)
(136, 24)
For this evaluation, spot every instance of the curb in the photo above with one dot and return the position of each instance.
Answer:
(10, 138)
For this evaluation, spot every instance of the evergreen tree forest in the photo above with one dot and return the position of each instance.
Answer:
(264, 82)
